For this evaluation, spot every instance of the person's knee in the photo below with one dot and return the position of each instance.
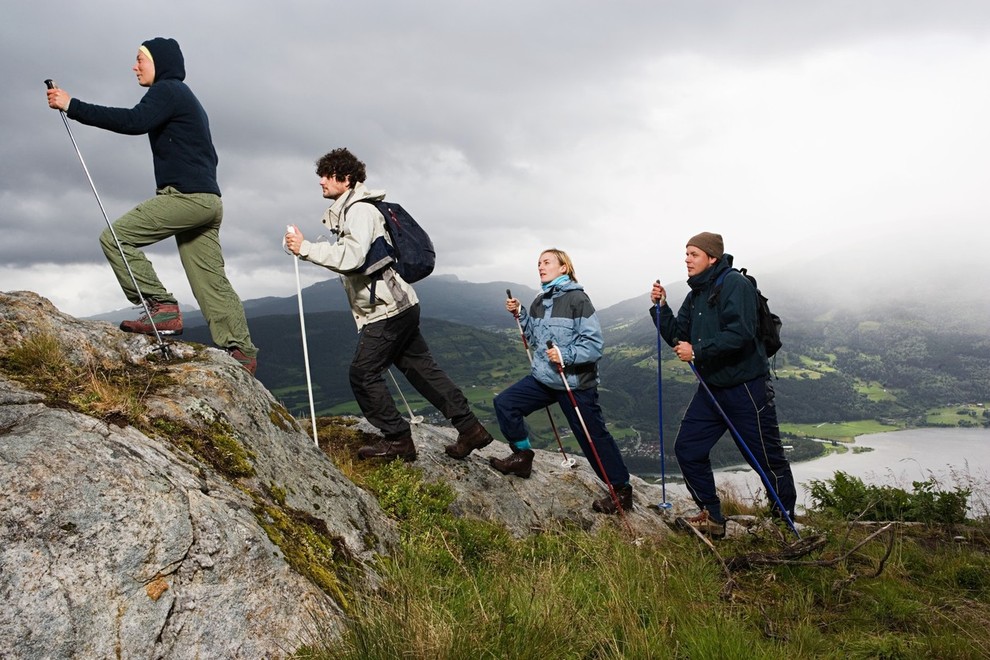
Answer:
(107, 241)
(687, 452)
(359, 377)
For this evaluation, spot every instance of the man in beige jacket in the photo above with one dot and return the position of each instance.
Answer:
(387, 315)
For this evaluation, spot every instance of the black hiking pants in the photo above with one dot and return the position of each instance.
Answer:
(397, 341)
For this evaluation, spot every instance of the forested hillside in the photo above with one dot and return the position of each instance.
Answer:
(890, 364)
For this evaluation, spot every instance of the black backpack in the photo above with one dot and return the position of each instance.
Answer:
(768, 324)
(411, 253)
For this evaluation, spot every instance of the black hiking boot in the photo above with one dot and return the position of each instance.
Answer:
(607, 504)
(386, 449)
(475, 437)
(519, 463)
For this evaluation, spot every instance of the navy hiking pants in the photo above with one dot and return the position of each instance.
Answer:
(751, 408)
(529, 395)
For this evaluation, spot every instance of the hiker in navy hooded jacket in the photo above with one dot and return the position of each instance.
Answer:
(186, 205)
(561, 313)
(716, 328)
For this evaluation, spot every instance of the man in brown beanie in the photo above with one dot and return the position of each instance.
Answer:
(716, 328)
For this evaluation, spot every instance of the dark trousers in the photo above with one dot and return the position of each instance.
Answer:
(397, 341)
(751, 408)
(529, 395)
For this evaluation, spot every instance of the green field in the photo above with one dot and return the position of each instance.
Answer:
(963, 415)
(842, 432)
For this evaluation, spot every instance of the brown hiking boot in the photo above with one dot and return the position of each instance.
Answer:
(386, 449)
(475, 437)
(166, 317)
(704, 523)
(607, 504)
(249, 363)
(519, 463)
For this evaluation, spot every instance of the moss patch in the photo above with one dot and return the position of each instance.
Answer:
(309, 547)
(214, 443)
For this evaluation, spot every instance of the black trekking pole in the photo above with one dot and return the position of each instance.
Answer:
(663, 458)
(162, 346)
(591, 442)
(568, 462)
(749, 454)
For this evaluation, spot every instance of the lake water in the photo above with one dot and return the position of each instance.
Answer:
(952, 456)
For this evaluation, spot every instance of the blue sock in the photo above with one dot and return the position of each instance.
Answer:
(520, 445)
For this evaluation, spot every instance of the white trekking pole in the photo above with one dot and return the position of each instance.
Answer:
(302, 328)
(162, 346)
(413, 419)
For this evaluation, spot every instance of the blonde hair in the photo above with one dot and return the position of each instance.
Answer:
(564, 261)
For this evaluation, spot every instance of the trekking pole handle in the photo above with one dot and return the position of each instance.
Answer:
(50, 84)
(508, 295)
(663, 298)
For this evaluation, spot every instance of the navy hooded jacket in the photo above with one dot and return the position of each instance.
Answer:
(171, 115)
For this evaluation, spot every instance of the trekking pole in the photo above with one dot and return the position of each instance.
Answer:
(568, 461)
(413, 419)
(162, 346)
(302, 330)
(591, 443)
(749, 454)
(663, 459)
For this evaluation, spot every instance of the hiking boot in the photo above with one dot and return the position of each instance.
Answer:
(704, 523)
(249, 363)
(475, 437)
(607, 504)
(401, 447)
(166, 317)
(519, 463)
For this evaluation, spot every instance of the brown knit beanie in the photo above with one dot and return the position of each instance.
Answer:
(709, 242)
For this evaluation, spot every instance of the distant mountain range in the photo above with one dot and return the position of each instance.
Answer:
(441, 296)
(893, 361)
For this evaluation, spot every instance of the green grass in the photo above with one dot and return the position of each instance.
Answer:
(875, 391)
(962, 415)
(840, 431)
(462, 588)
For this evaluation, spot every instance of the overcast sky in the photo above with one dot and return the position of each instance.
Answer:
(613, 130)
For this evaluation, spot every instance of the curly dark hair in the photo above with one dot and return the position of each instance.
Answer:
(342, 165)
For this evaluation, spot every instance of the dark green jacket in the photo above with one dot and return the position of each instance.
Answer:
(722, 329)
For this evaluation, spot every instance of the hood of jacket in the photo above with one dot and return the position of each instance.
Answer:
(169, 63)
(557, 289)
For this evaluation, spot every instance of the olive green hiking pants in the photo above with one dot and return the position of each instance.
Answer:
(194, 219)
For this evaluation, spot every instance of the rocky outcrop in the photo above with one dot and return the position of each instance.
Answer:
(174, 534)
(172, 508)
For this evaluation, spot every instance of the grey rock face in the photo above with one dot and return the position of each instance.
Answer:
(118, 542)
(114, 543)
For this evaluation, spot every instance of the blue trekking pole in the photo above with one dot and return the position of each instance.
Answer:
(749, 454)
(663, 459)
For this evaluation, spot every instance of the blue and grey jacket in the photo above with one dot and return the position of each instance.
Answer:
(171, 115)
(565, 315)
(721, 326)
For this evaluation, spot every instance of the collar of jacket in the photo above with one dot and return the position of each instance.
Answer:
(703, 279)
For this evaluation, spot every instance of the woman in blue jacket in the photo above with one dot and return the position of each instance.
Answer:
(563, 314)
